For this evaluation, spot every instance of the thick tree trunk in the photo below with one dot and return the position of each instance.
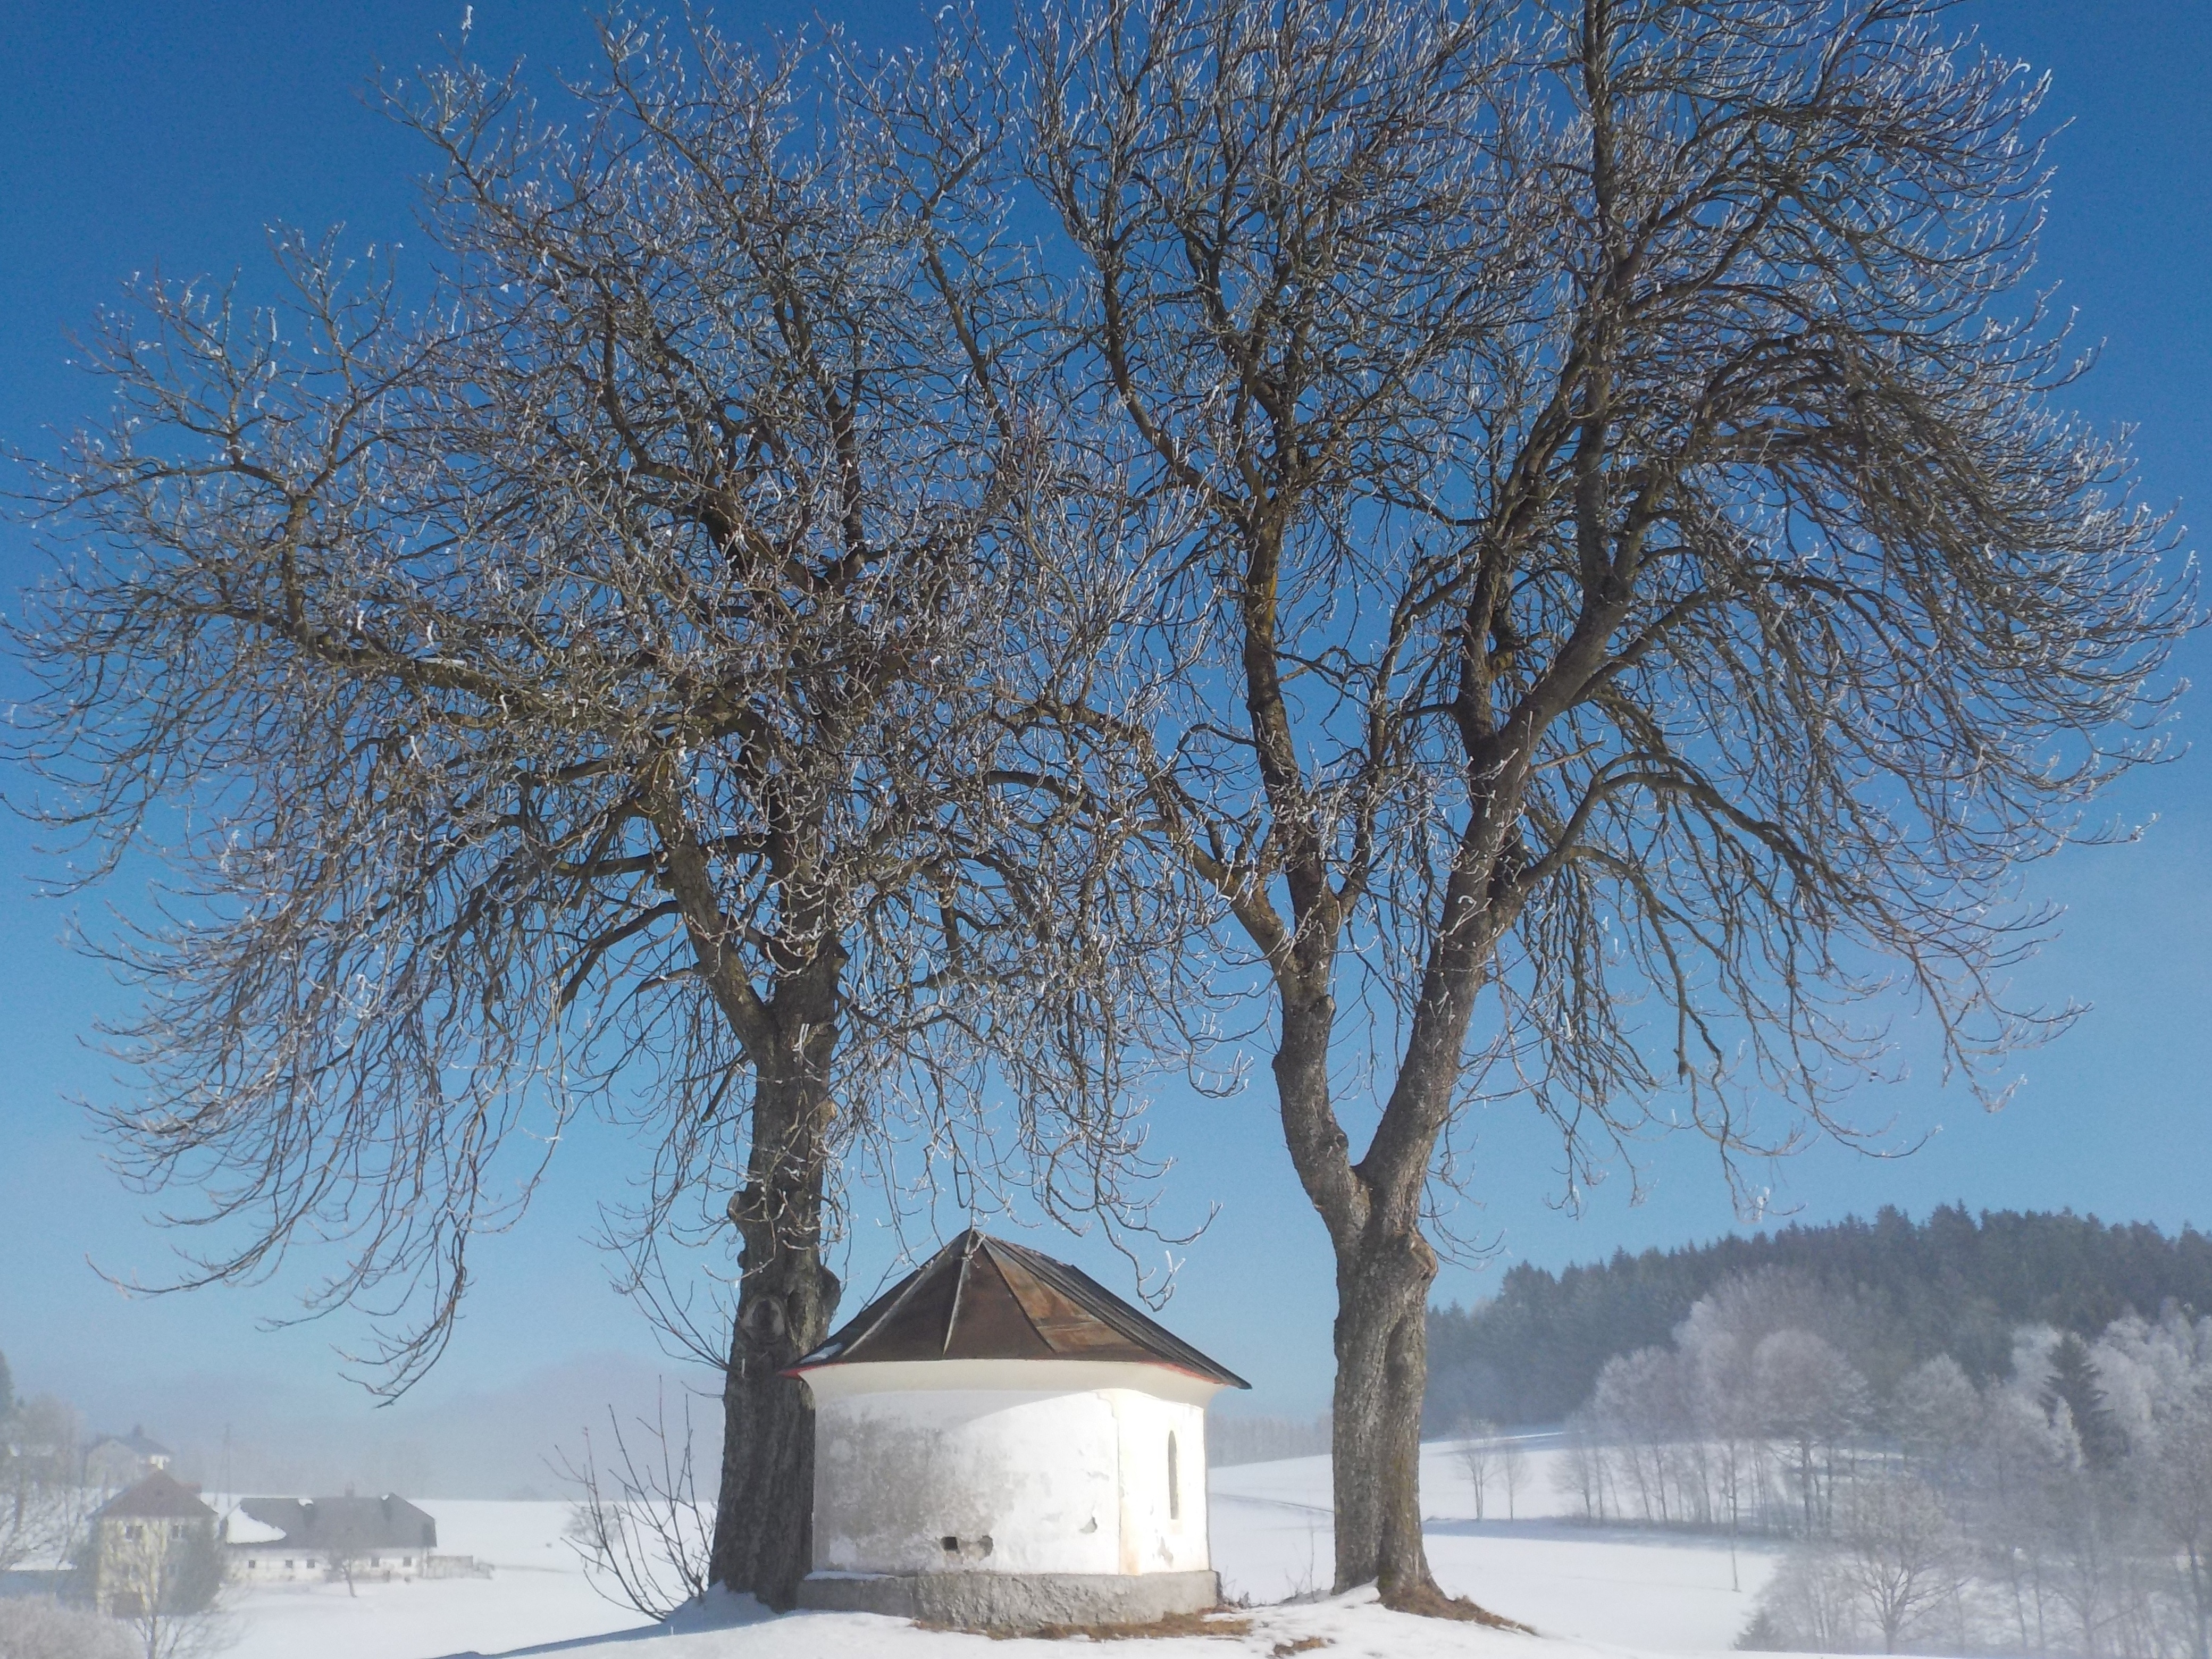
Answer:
(764, 1522)
(1384, 1269)
(1381, 1371)
(2200, 1589)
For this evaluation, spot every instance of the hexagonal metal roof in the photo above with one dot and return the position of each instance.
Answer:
(985, 1299)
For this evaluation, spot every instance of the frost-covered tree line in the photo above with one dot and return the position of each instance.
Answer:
(1949, 1282)
(2063, 1505)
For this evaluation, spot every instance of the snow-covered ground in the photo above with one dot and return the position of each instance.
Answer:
(1655, 1593)
(1587, 1591)
(537, 1592)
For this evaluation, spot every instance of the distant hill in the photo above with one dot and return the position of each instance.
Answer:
(1953, 1284)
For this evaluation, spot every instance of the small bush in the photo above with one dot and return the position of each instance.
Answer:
(34, 1628)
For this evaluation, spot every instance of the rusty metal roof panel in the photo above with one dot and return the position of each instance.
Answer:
(990, 1322)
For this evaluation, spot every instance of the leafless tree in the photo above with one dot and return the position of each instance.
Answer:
(1638, 563)
(344, 1556)
(1580, 1472)
(1512, 1471)
(1724, 1408)
(1898, 1552)
(163, 1582)
(1478, 1455)
(1641, 1400)
(1810, 1398)
(641, 1525)
(2180, 1494)
(43, 1500)
(602, 684)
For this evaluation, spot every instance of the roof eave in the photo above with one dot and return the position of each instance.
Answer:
(1221, 1378)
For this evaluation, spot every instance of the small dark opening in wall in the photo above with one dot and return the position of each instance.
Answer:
(951, 1544)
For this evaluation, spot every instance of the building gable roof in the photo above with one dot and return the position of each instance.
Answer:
(340, 1523)
(139, 1442)
(159, 1496)
(984, 1298)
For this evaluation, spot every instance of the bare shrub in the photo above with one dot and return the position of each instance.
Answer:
(1806, 1607)
(32, 1627)
(640, 1527)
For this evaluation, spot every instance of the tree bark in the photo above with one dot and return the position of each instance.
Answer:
(2201, 1596)
(1384, 1269)
(763, 1521)
(1373, 1209)
(1382, 1281)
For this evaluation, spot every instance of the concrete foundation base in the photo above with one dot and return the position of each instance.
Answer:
(1015, 1600)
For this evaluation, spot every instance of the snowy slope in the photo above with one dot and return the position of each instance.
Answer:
(1587, 1590)
(1654, 1593)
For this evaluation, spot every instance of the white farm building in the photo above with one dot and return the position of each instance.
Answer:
(1000, 1440)
(276, 1540)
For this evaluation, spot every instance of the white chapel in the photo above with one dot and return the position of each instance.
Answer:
(1000, 1440)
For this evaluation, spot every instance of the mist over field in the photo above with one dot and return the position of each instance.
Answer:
(490, 1443)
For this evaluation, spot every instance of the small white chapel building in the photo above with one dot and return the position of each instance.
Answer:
(1000, 1440)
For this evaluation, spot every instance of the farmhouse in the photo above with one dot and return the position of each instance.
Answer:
(153, 1548)
(999, 1441)
(275, 1541)
(113, 1461)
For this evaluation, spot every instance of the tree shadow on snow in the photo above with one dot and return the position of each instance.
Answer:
(719, 1611)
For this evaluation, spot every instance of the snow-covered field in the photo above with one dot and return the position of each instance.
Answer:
(1654, 1593)
(536, 1593)
(1585, 1589)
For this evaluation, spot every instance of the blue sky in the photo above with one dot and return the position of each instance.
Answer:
(133, 136)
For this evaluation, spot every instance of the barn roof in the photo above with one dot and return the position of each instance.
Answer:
(138, 1441)
(984, 1298)
(339, 1523)
(159, 1496)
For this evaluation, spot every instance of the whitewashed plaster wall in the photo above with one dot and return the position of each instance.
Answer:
(1072, 1478)
(271, 1565)
(1162, 1515)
